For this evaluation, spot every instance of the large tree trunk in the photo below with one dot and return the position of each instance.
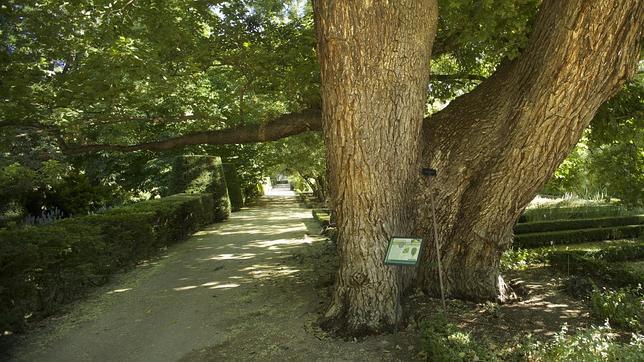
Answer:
(374, 60)
(495, 147)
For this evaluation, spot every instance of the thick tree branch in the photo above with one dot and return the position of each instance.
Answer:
(496, 146)
(283, 126)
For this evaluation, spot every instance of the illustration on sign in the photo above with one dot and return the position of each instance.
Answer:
(403, 251)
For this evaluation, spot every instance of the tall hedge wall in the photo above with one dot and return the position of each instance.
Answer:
(201, 174)
(43, 267)
(235, 193)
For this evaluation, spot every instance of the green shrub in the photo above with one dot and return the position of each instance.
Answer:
(43, 267)
(621, 307)
(590, 345)
(520, 259)
(201, 174)
(533, 240)
(579, 212)
(323, 216)
(235, 193)
(443, 341)
(623, 252)
(578, 263)
(573, 224)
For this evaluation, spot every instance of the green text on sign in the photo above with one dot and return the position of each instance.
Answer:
(403, 251)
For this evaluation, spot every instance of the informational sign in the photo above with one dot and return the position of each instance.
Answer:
(403, 251)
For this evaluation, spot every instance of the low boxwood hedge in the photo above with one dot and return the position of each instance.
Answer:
(533, 240)
(578, 263)
(578, 212)
(41, 268)
(574, 224)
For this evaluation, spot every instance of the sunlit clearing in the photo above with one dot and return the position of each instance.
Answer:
(209, 284)
(185, 288)
(550, 305)
(261, 271)
(119, 290)
(273, 244)
(225, 286)
(249, 231)
(232, 256)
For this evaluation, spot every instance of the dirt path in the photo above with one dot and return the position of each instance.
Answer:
(246, 289)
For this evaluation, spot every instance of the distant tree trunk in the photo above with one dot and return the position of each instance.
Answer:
(323, 188)
(374, 69)
(495, 147)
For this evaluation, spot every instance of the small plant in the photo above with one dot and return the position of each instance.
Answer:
(46, 217)
(622, 307)
(593, 344)
(520, 259)
(444, 341)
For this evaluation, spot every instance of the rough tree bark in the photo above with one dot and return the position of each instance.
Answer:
(374, 73)
(495, 147)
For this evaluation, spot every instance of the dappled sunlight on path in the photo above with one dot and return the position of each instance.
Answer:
(192, 296)
(250, 288)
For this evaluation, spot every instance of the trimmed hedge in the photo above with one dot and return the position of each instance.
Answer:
(574, 224)
(613, 253)
(579, 212)
(41, 268)
(576, 262)
(235, 193)
(533, 240)
(201, 174)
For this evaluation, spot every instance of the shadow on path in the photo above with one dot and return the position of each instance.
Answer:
(244, 289)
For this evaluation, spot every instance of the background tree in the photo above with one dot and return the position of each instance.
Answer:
(608, 161)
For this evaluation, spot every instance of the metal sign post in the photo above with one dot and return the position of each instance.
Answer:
(430, 172)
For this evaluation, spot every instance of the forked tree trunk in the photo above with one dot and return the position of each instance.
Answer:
(495, 147)
(374, 60)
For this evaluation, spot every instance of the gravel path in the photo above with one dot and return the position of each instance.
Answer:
(250, 288)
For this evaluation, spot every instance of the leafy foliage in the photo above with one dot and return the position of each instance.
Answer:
(201, 174)
(622, 307)
(443, 341)
(303, 157)
(593, 344)
(53, 185)
(42, 268)
(609, 159)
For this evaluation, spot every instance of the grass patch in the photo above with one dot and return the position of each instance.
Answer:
(589, 345)
(578, 263)
(621, 307)
(633, 266)
(444, 341)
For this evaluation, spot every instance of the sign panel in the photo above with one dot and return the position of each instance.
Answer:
(403, 251)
